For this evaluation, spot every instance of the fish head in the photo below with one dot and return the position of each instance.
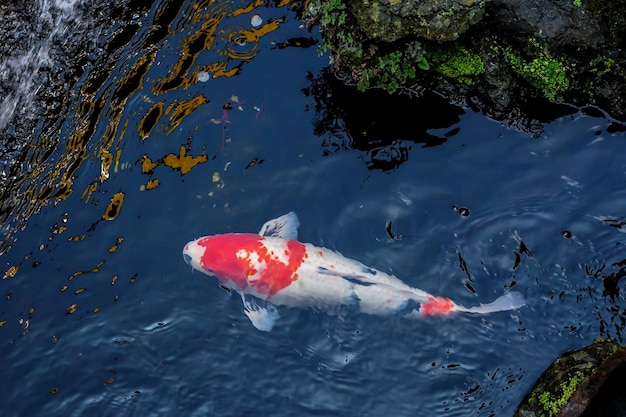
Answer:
(193, 253)
(247, 262)
(232, 257)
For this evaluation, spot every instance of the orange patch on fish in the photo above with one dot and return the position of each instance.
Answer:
(246, 261)
(437, 306)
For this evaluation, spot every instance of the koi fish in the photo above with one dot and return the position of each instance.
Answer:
(273, 268)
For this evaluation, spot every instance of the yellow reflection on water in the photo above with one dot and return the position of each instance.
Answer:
(114, 207)
(177, 112)
(209, 40)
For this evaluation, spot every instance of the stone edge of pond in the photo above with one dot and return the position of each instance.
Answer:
(571, 382)
(500, 55)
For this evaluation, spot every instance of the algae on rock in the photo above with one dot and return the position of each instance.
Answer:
(390, 20)
(499, 54)
(569, 385)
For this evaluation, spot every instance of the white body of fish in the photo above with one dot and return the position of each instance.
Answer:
(273, 268)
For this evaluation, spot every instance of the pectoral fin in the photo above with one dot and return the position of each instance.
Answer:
(285, 226)
(262, 314)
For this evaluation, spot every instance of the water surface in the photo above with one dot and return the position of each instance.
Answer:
(100, 315)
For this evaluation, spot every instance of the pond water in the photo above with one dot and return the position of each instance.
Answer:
(214, 126)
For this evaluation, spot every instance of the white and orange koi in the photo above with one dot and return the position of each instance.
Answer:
(272, 269)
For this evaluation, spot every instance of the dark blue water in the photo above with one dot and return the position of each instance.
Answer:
(103, 317)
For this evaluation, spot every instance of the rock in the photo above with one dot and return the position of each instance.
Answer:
(571, 383)
(390, 20)
(562, 24)
(503, 55)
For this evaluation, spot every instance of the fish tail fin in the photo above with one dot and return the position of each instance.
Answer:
(441, 306)
(509, 301)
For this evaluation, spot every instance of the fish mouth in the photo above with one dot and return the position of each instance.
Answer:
(187, 258)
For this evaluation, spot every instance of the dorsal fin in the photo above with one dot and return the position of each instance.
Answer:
(285, 226)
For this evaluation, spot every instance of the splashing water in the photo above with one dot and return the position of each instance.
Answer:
(51, 19)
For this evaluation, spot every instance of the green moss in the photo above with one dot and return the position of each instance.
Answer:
(601, 65)
(389, 72)
(613, 18)
(457, 63)
(391, 69)
(388, 65)
(394, 69)
(546, 74)
(332, 19)
(333, 13)
(615, 23)
(553, 402)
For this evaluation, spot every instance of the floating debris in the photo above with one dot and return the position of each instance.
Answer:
(299, 42)
(390, 233)
(203, 76)
(255, 161)
(463, 211)
(256, 21)
(12, 271)
(406, 200)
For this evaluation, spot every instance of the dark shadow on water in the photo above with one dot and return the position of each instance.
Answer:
(383, 126)
(535, 113)
(611, 315)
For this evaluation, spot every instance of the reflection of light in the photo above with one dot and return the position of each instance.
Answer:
(203, 76)
(104, 118)
(256, 21)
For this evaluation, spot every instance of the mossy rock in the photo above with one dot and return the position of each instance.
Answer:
(503, 55)
(437, 20)
(568, 386)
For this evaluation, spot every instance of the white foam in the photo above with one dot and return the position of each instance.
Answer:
(58, 16)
